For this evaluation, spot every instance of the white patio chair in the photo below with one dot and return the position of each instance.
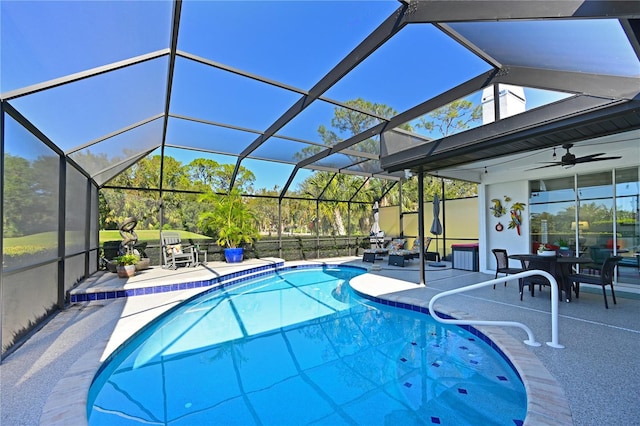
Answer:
(174, 253)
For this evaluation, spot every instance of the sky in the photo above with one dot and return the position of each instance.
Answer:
(292, 42)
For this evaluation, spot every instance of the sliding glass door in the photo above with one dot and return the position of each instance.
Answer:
(594, 214)
(552, 208)
(627, 232)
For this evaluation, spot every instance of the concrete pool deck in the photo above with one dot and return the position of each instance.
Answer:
(45, 381)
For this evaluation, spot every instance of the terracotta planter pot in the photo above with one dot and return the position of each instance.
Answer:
(126, 271)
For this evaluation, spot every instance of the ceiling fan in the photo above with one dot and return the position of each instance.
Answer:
(569, 160)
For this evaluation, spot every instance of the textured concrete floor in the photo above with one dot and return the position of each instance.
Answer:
(598, 370)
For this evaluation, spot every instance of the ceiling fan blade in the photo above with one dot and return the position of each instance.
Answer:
(590, 158)
(578, 160)
(555, 163)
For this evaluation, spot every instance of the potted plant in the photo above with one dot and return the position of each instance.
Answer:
(232, 220)
(564, 244)
(546, 250)
(126, 265)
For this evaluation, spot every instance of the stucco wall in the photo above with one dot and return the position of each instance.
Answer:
(471, 218)
(508, 238)
(459, 217)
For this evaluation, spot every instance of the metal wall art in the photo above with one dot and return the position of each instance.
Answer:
(516, 209)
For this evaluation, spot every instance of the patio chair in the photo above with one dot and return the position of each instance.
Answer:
(604, 279)
(398, 254)
(174, 253)
(373, 254)
(538, 280)
(598, 255)
(502, 264)
(430, 256)
(415, 249)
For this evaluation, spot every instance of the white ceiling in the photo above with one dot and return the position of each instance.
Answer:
(626, 145)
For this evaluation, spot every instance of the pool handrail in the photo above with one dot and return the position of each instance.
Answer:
(531, 341)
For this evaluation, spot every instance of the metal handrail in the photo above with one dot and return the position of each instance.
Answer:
(531, 341)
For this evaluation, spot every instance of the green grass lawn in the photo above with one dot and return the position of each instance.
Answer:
(47, 240)
(30, 244)
(43, 239)
(148, 235)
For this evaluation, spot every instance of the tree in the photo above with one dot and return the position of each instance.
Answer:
(244, 179)
(203, 171)
(345, 123)
(452, 118)
(18, 179)
(330, 186)
(181, 209)
(348, 122)
(217, 177)
(30, 195)
(266, 209)
(230, 218)
(455, 117)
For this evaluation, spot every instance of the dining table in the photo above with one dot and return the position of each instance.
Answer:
(558, 266)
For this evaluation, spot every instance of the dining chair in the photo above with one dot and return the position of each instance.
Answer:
(604, 279)
(538, 280)
(502, 264)
(598, 255)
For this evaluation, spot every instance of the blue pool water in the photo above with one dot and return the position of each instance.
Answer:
(299, 347)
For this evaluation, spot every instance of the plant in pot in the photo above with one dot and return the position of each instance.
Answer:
(233, 222)
(564, 244)
(126, 265)
(546, 250)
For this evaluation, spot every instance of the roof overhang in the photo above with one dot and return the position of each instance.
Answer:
(570, 120)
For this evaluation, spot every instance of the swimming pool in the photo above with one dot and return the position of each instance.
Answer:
(298, 347)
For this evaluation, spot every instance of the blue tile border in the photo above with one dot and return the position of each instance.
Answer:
(221, 281)
(226, 280)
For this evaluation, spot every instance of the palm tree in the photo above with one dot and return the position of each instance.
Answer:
(230, 217)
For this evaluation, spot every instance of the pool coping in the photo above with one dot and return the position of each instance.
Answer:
(546, 401)
(79, 295)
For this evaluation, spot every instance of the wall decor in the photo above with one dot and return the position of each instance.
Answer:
(498, 209)
(516, 216)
